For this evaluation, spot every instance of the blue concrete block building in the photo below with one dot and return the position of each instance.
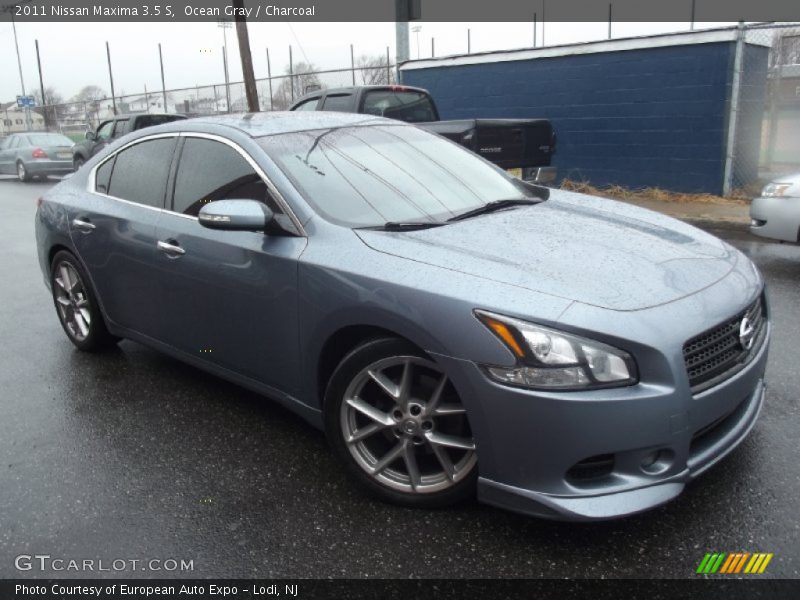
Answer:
(652, 111)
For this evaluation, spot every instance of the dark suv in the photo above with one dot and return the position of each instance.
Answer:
(111, 130)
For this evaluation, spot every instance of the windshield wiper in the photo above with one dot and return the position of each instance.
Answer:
(406, 226)
(493, 206)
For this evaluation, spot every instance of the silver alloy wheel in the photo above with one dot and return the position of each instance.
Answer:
(404, 425)
(72, 301)
(21, 174)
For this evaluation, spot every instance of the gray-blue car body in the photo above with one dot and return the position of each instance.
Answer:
(287, 311)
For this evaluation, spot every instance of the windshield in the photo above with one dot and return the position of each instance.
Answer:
(365, 176)
(49, 139)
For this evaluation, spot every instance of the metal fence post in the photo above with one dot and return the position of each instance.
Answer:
(353, 63)
(163, 85)
(388, 67)
(111, 80)
(269, 79)
(291, 73)
(733, 112)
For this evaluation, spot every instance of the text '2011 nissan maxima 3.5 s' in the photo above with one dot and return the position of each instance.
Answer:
(452, 329)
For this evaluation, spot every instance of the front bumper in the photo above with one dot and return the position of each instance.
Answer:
(776, 218)
(528, 441)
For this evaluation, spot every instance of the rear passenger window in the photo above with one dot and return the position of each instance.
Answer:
(119, 127)
(102, 176)
(340, 102)
(140, 172)
(210, 171)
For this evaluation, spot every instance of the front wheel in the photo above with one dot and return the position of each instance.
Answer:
(77, 162)
(76, 304)
(394, 418)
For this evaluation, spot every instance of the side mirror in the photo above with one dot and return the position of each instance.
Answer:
(89, 135)
(237, 215)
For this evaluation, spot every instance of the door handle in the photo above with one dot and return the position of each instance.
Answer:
(83, 226)
(171, 250)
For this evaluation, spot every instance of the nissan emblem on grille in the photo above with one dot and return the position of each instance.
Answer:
(746, 333)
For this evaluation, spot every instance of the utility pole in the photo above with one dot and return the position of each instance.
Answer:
(247, 58)
(41, 87)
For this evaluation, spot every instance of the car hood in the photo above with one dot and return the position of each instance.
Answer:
(581, 248)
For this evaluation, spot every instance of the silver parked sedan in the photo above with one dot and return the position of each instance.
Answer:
(776, 213)
(451, 328)
(36, 154)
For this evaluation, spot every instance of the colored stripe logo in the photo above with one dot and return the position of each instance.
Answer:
(734, 562)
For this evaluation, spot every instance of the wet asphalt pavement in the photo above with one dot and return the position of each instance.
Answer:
(133, 455)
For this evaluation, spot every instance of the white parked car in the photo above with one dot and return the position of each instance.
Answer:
(776, 213)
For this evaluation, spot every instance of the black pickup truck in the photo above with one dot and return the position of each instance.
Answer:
(523, 147)
(113, 128)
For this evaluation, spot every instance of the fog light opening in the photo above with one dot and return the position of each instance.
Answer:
(657, 461)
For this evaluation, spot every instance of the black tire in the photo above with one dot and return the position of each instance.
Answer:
(22, 172)
(97, 336)
(77, 162)
(351, 367)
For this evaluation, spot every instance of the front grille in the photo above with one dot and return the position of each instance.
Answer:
(718, 353)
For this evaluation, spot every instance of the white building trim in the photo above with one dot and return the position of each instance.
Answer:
(618, 45)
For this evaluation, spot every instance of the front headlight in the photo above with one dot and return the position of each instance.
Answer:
(775, 190)
(551, 359)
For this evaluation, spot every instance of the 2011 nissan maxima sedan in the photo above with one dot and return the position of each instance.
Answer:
(451, 328)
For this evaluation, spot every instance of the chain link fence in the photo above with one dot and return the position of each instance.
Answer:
(74, 119)
(764, 120)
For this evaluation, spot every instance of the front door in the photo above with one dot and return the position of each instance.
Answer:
(228, 297)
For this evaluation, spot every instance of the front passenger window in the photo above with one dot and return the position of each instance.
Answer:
(209, 171)
(104, 131)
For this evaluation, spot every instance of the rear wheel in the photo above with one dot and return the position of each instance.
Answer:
(76, 304)
(395, 419)
(22, 172)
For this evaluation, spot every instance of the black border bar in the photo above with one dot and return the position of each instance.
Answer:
(697, 11)
(410, 589)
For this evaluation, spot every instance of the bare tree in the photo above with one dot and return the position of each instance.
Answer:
(372, 70)
(51, 96)
(90, 95)
(47, 107)
(305, 80)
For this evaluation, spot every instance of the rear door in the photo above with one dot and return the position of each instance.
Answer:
(115, 233)
(228, 297)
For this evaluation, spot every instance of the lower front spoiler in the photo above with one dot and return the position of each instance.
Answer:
(600, 507)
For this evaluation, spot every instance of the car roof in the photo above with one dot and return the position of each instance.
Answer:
(354, 88)
(132, 115)
(270, 123)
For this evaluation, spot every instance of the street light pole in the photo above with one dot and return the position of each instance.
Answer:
(21, 78)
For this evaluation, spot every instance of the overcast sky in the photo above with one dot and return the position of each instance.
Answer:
(73, 55)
